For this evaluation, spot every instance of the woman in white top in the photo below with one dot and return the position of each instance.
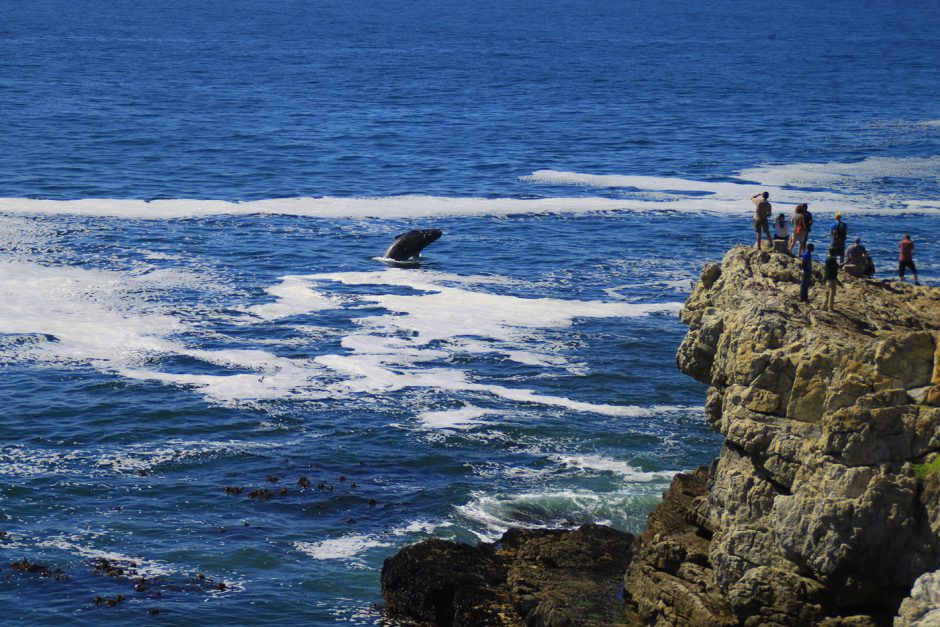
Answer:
(781, 228)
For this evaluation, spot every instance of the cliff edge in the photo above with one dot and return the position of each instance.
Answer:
(824, 504)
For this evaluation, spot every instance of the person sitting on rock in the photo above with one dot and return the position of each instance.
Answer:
(781, 233)
(858, 262)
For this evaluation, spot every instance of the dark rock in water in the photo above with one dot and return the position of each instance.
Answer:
(422, 581)
(535, 577)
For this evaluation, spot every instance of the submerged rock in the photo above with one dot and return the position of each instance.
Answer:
(534, 577)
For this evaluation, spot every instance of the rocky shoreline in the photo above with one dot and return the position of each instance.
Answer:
(823, 506)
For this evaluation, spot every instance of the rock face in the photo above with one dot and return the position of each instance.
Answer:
(542, 577)
(824, 504)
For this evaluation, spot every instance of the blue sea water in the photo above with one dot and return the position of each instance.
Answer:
(193, 197)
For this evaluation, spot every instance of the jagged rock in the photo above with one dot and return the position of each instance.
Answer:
(670, 580)
(540, 577)
(436, 580)
(815, 510)
(922, 608)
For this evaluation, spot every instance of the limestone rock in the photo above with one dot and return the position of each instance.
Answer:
(815, 511)
(922, 608)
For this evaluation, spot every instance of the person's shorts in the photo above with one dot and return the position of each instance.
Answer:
(761, 224)
(906, 264)
(838, 247)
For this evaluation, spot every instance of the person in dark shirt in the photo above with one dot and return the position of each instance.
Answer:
(906, 258)
(839, 231)
(806, 265)
(831, 275)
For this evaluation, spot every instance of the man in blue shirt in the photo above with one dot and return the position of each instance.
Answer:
(839, 230)
(806, 265)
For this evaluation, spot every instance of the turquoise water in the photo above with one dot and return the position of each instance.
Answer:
(192, 203)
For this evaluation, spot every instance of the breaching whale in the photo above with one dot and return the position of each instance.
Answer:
(408, 245)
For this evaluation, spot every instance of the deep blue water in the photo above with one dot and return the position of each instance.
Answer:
(154, 354)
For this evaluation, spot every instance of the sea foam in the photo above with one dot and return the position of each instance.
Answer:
(788, 184)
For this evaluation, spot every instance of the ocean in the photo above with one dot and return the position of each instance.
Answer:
(223, 406)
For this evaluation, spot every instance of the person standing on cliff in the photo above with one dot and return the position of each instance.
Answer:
(839, 231)
(906, 258)
(806, 265)
(762, 211)
(799, 229)
(831, 275)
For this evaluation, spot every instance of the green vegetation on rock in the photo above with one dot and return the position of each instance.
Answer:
(930, 469)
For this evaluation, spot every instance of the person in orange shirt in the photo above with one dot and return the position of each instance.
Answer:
(906, 258)
(799, 229)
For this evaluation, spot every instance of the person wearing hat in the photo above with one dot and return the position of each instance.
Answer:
(858, 262)
(839, 231)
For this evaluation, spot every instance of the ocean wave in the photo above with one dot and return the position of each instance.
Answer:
(597, 463)
(488, 516)
(352, 547)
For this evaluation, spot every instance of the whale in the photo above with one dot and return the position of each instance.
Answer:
(409, 245)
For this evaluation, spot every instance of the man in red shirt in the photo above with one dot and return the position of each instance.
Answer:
(906, 258)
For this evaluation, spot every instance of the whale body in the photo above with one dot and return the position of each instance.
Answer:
(408, 245)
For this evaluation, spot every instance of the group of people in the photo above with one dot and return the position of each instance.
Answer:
(854, 260)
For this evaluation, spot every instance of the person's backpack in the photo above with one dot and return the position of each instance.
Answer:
(841, 230)
(764, 210)
(807, 219)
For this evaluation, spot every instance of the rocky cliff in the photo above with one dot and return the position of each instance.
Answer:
(823, 507)
(824, 504)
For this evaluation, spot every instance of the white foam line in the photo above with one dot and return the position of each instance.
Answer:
(614, 466)
(839, 175)
(786, 183)
(725, 198)
(351, 545)
(646, 183)
(391, 207)
(343, 547)
(466, 417)
(294, 296)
